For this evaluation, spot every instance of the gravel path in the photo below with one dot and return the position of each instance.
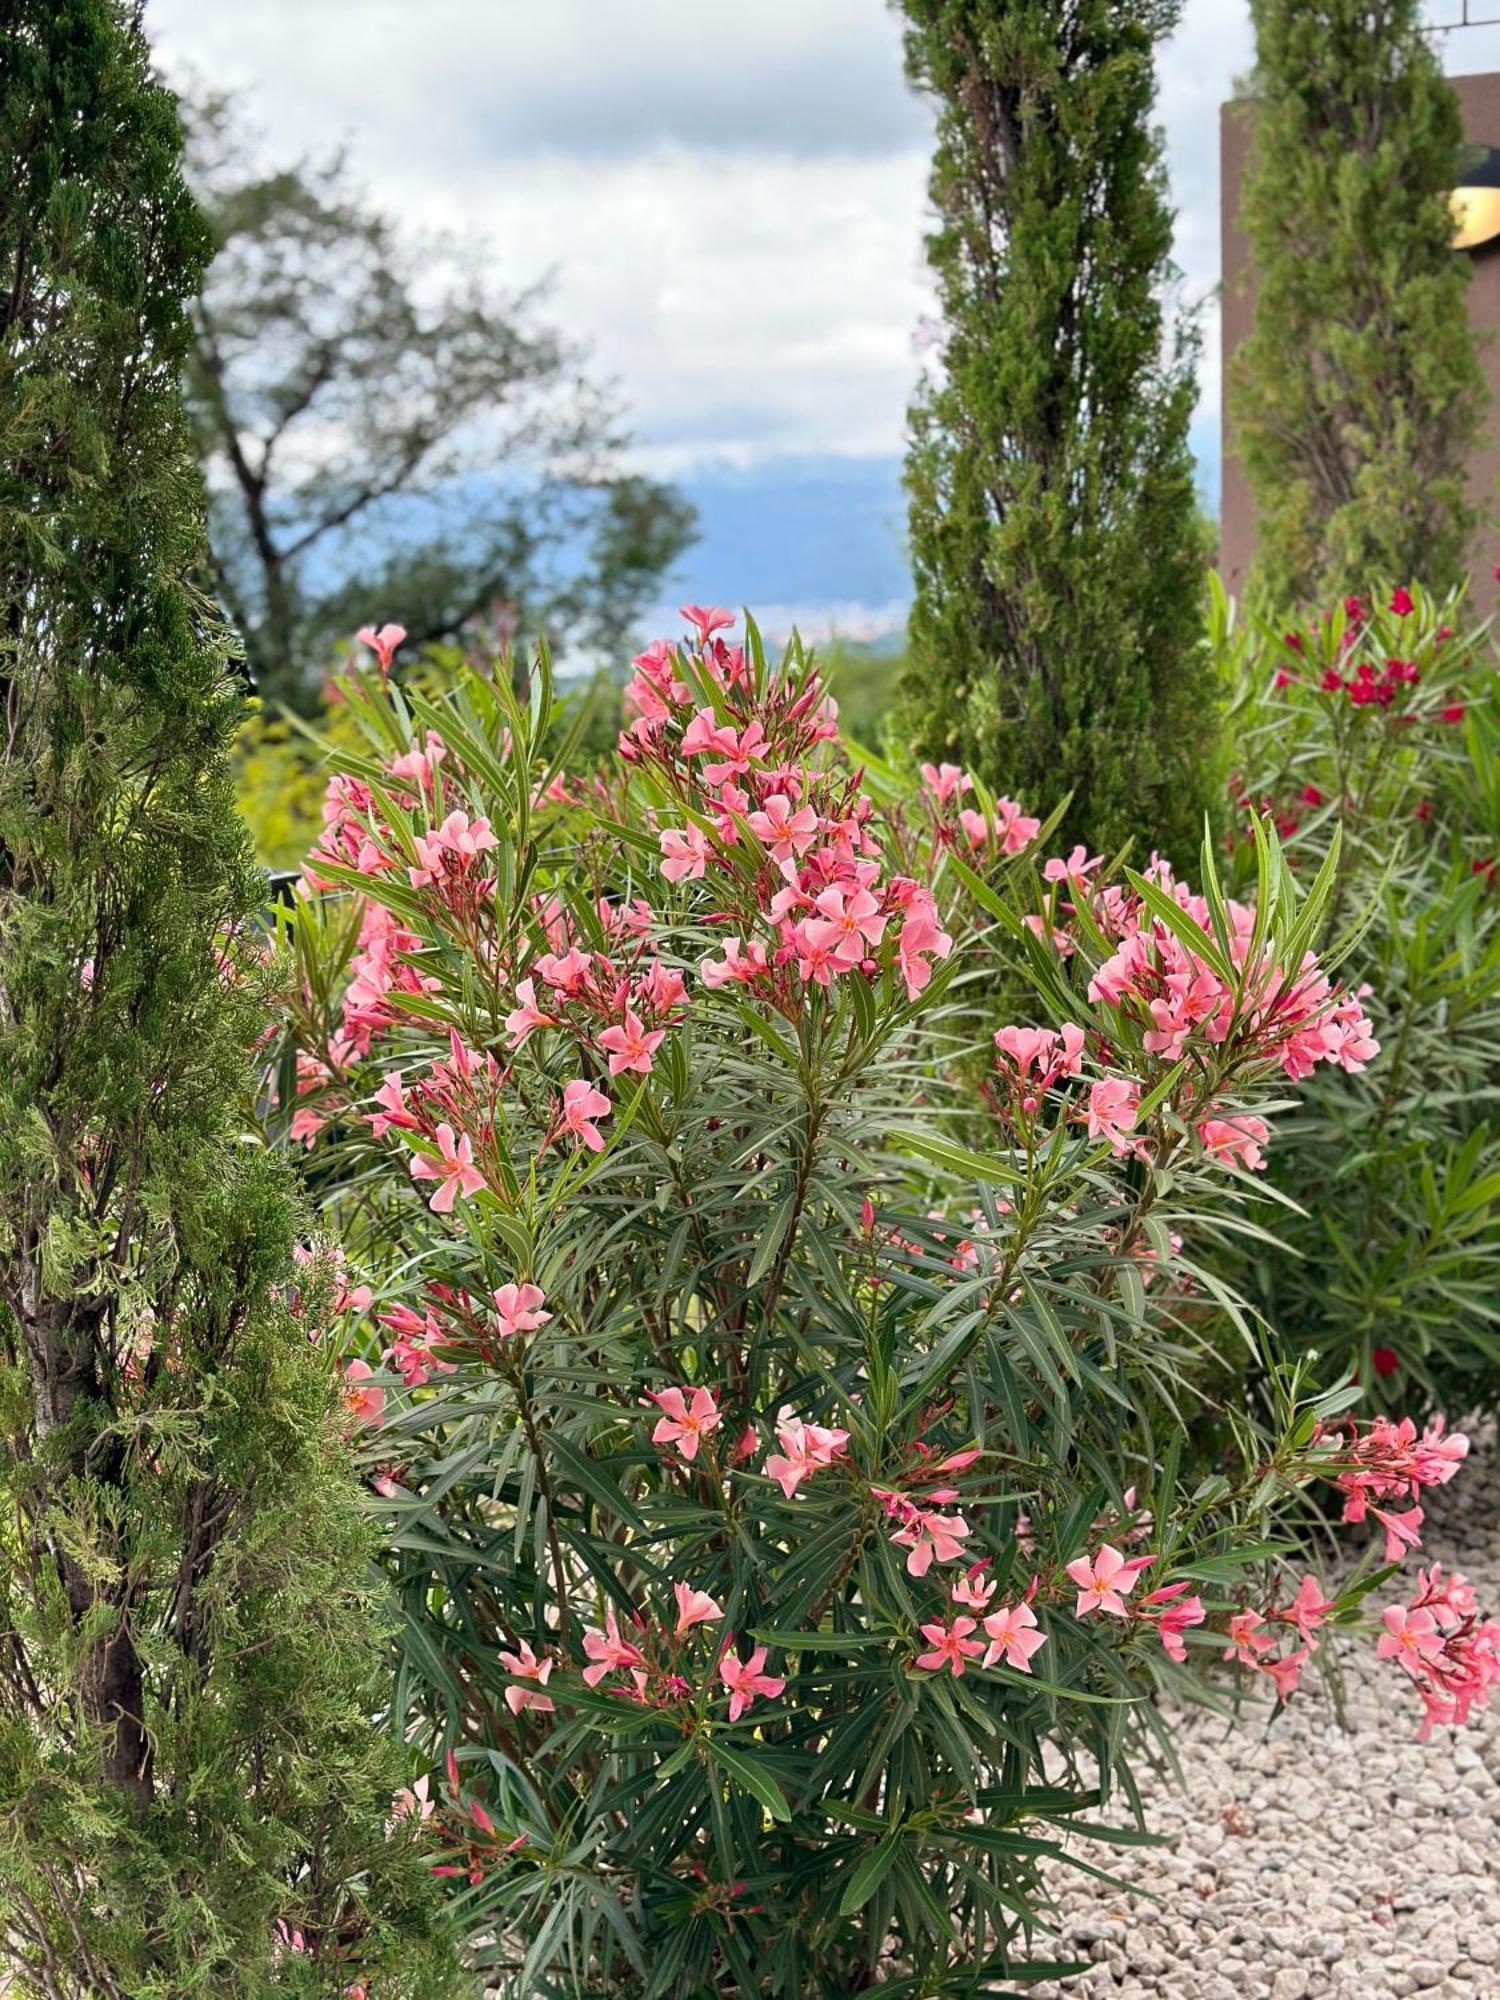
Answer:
(1308, 1859)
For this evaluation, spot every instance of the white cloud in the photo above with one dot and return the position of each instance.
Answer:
(748, 300)
(731, 197)
(493, 77)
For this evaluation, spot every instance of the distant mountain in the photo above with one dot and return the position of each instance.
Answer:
(816, 542)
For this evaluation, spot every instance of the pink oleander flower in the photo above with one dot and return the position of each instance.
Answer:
(920, 939)
(305, 1127)
(1015, 828)
(1075, 871)
(382, 644)
(1451, 1656)
(631, 1045)
(454, 1170)
(973, 1589)
(525, 1665)
(569, 972)
(804, 1449)
(458, 838)
(1403, 1531)
(1174, 1614)
(1113, 1104)
(745, 1679)
(740, 964)
(1248, 1639)
(951, 1647)
(661, 987)
(1410, 1636)
(784, 828)
(689, 1416)
(365, 1404)
(1286, 1672)
(1450, 1599)
(607, 1652)
(946, 781)
(1392, 1461)
(849, 922)
(393, 1112)
(1236, 1139)
(518, 1308)
(1034, 1059)
(1013, 1636)
(411, 1352)
(526, 1017)
(684, 854)
(581, 1106)
(418, 766)
(931, 1537)
(1105, 1579)
(1309, 1609)
(694, 1607)
(707, 620)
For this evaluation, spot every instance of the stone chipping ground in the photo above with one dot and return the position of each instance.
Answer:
(1310, 1857)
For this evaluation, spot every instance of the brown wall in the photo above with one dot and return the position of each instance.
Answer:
(1479, 98)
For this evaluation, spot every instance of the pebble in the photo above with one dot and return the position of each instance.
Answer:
(1326, 1855)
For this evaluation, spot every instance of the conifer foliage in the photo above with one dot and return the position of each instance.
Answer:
(1357, 396)
(192, 1799)
(1054, 531)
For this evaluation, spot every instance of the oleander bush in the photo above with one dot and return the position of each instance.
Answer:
(1375, 728)
(786, 1501)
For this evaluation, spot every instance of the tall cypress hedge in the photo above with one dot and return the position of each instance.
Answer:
(1055, 538)
(192, 1795)
(1357, 397)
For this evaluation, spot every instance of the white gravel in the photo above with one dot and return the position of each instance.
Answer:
(1311, 1859)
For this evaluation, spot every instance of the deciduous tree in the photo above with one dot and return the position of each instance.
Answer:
(381, 422)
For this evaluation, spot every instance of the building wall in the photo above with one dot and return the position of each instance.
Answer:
(1479, 98)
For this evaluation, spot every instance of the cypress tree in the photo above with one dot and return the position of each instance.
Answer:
(1056, 546)
(1357, 397)
(192, 1797)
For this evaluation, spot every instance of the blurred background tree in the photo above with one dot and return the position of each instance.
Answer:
(1058, 558)
(387, 432)
(1357, 396)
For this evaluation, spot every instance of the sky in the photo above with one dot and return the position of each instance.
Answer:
(728, 204)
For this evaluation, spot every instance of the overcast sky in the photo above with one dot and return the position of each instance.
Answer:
(730, 199)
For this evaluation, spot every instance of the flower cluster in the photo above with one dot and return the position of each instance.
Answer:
(1451, 1655)
(615, 1008)
(787, 838)
(1390, 1461)
(1438, 1638)
(1372, 681)
(1010, 830)
(1172, 990)
(469, 1842)
(658, 1665)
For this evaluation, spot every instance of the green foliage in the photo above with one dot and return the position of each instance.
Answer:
(1006, 1334)
(1357, 396)
(1054, 532)
(865, 680)
(382, 424)
(186, 1754)
(282, 765)
(1395, 1173)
